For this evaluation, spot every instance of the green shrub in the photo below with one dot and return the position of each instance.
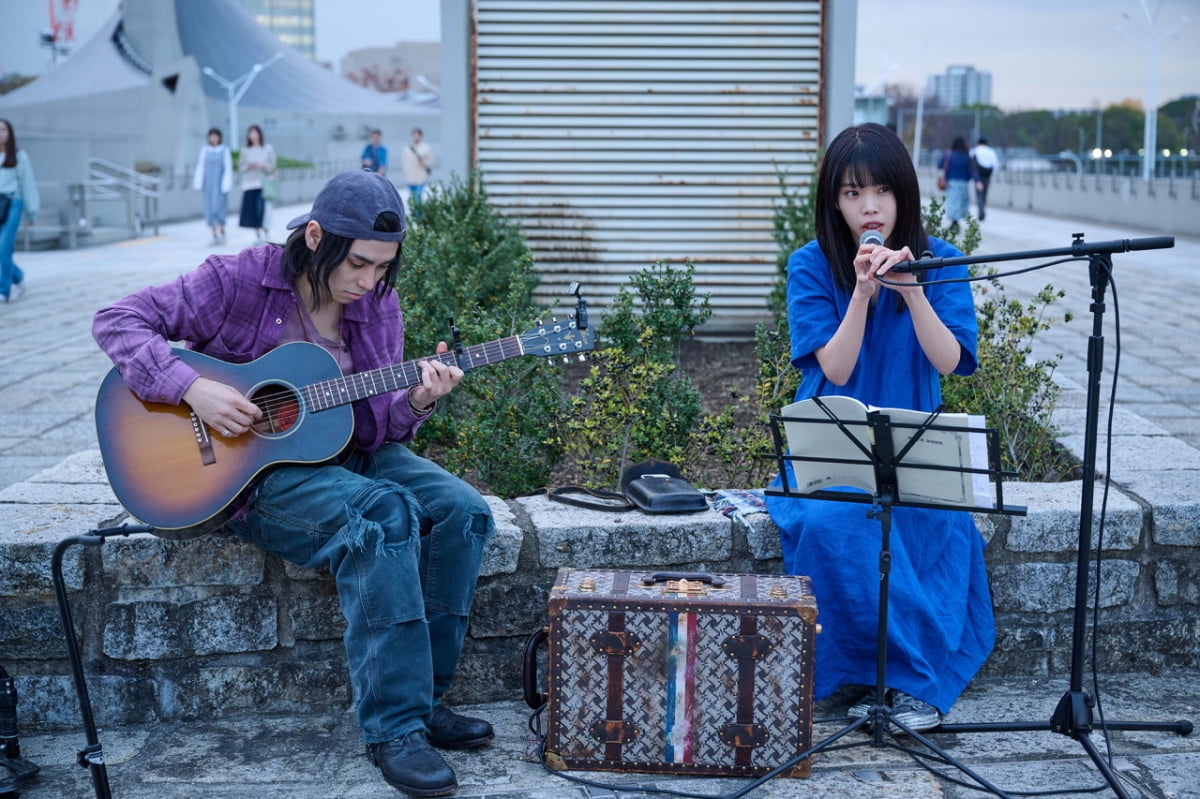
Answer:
(1014, 393)
(635, 403)
(463, 260)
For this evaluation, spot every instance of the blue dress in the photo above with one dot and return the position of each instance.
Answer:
(940, 625)
(216, 202)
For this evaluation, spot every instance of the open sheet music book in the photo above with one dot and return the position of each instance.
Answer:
(963, 447)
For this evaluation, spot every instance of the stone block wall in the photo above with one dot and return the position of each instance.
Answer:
(211, 626)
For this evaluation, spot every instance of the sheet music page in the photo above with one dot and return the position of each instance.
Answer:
(823, 439)
(985, 491)
(962, 447)
(955, 449)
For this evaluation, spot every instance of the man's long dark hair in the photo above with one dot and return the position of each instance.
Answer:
(316, 266)
(10, 147)
(866, 155)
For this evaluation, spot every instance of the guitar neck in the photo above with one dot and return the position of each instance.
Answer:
(351, 388)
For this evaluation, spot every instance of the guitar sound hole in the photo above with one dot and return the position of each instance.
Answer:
(280, 407)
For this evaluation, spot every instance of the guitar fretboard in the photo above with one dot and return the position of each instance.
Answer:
(332, 393)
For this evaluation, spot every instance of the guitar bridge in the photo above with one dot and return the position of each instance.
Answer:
(207, 456)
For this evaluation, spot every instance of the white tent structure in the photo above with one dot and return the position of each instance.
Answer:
(137, 96)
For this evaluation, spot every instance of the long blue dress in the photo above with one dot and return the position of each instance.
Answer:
(940, 624)
(216, 201)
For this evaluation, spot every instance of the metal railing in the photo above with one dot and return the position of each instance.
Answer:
(111, 181)
(106, 181)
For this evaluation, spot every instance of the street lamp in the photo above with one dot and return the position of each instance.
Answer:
(1152, 44)
(236, 89)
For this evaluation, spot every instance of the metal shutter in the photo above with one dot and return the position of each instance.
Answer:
(622, 132)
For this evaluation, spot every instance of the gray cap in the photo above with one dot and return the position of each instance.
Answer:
(351, 202)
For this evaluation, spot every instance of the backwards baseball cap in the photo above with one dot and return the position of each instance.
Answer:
(350, 203)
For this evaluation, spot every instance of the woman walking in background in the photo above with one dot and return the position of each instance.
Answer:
(18, 194)
(214, 178)
(958, 173)
(255, 163)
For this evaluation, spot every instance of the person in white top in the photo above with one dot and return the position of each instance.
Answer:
(416, 162)
(986, 161)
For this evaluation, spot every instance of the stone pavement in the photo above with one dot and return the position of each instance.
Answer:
(50, 372)
(298, 757)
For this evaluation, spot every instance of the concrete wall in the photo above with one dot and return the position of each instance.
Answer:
(211, 626)
(1163, 205)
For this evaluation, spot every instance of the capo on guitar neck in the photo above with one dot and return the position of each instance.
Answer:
(455, 338)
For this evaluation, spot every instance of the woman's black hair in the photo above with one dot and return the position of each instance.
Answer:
(220, 138)
(866, 155)
(10, 147)
(316, 266)
(959, 144)
(261, 139)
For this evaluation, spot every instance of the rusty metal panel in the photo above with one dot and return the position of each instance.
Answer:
(623, 132)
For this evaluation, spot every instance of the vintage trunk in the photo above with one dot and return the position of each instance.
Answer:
(679, 673)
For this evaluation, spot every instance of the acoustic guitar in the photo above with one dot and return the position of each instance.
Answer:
(171, 472)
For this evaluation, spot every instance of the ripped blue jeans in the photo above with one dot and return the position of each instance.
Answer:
(403, 539)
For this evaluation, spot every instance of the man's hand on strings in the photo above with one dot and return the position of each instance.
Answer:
(221, 407)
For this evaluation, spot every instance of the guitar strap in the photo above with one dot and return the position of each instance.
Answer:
(589, 498)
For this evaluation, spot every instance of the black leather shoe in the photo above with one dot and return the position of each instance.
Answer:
(411, 765)
(448, 730)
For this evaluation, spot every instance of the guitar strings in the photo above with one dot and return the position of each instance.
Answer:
(309, 396)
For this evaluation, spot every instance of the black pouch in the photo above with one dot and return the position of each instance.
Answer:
(658, 487)
(651, 486)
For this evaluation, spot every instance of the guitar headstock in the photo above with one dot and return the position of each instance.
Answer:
(558, 338)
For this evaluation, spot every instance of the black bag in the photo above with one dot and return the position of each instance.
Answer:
(5, 202)
(651, 486)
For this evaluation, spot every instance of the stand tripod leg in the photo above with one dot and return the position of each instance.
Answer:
(92, 756)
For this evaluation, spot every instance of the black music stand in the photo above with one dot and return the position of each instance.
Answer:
(878, 447)
(92, 756)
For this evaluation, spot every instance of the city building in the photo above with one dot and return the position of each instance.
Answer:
(291, 20)
(961, 85)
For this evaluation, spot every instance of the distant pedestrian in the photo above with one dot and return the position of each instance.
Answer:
(417, 163)
(958, 172)
(986, 161)
(214, 178)
(18, 195)
(256, 163)
(374, 155)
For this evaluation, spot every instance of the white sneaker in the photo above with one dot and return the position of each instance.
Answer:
(913, 713)
(862, 706)
(17, 291)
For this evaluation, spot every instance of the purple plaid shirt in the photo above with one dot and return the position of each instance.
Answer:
(233, 308)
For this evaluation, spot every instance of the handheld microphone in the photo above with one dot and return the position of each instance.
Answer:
(870, 237)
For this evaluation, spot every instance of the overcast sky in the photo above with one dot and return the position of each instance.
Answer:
(1041, 53)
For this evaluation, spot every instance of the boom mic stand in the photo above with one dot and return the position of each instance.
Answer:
(1073, 715)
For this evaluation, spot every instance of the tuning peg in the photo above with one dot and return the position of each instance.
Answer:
(566, 359)
(582, 358)
(553, 319)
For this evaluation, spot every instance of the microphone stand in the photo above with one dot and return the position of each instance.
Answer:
(1073, 715)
